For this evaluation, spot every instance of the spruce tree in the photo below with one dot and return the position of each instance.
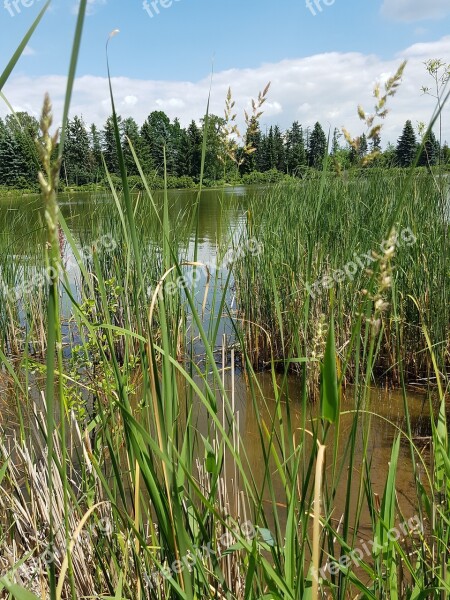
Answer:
(270, 150)
(23, 129)
(77, 160)
(279, 160)
(375, 143)
(295, 149)
(130, 131)
(335, 145)
(363, 146)
(317, 147)
(429, 155)
(252, 140)
(175, 158)
(155, 134)
(109, 147)
(263, 155)
(193, 143)
(10, 160)
(96, 152)
(406, 146)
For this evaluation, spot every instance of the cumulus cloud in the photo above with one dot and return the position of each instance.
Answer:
(415, 10)
(323, 87)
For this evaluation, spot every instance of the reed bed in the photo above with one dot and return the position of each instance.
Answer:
(320, 243)
(149, 491)
(93, 225)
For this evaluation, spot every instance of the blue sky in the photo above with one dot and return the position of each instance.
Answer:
(246, 37)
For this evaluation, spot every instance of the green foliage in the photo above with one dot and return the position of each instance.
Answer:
(96, 149)
(191, 149)
(305, 247)
(287, 152)
(406, 146)
(429, 156)
(155, 134)
(296, 159)
(130, 132)
(141, 505)
(77, 166)
(20, 163)
(109, 148)
(255, 178)
(317, 147)
(252, 161)
(90, 361)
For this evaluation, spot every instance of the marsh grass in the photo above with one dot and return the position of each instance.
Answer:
(302, 248)
(116, 502)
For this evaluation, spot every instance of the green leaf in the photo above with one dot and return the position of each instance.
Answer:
(329, 408)
(72, 71)
(3, 471)
(211, 463)
(17, 591)
(18, 53)
(440, 444)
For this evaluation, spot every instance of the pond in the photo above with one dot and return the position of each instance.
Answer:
(221, 216)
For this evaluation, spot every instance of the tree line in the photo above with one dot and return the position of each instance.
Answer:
(162, 145)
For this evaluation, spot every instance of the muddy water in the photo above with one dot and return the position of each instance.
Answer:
(388, 419)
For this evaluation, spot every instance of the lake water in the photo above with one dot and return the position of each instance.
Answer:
(221, 217)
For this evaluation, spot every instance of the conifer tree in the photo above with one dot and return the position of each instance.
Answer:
(96, 152)
(295, 149)
(109, 146)
(407, 146)
(10, 164)
(193, 143)
(77, 159)
(317, 147)
(130, 131)
(430, 151)
(252, 139)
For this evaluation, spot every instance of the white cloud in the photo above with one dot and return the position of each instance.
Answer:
(28, 51)
(170, 103)
(130, 100)
(415, 10)
(90, 8)
(324, 87)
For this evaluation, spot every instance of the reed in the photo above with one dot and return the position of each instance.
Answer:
(307, 256)
(131, 476)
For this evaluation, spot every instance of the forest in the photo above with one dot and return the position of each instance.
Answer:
(88, 150)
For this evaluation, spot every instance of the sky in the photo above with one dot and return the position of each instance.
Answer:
(322, 57)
